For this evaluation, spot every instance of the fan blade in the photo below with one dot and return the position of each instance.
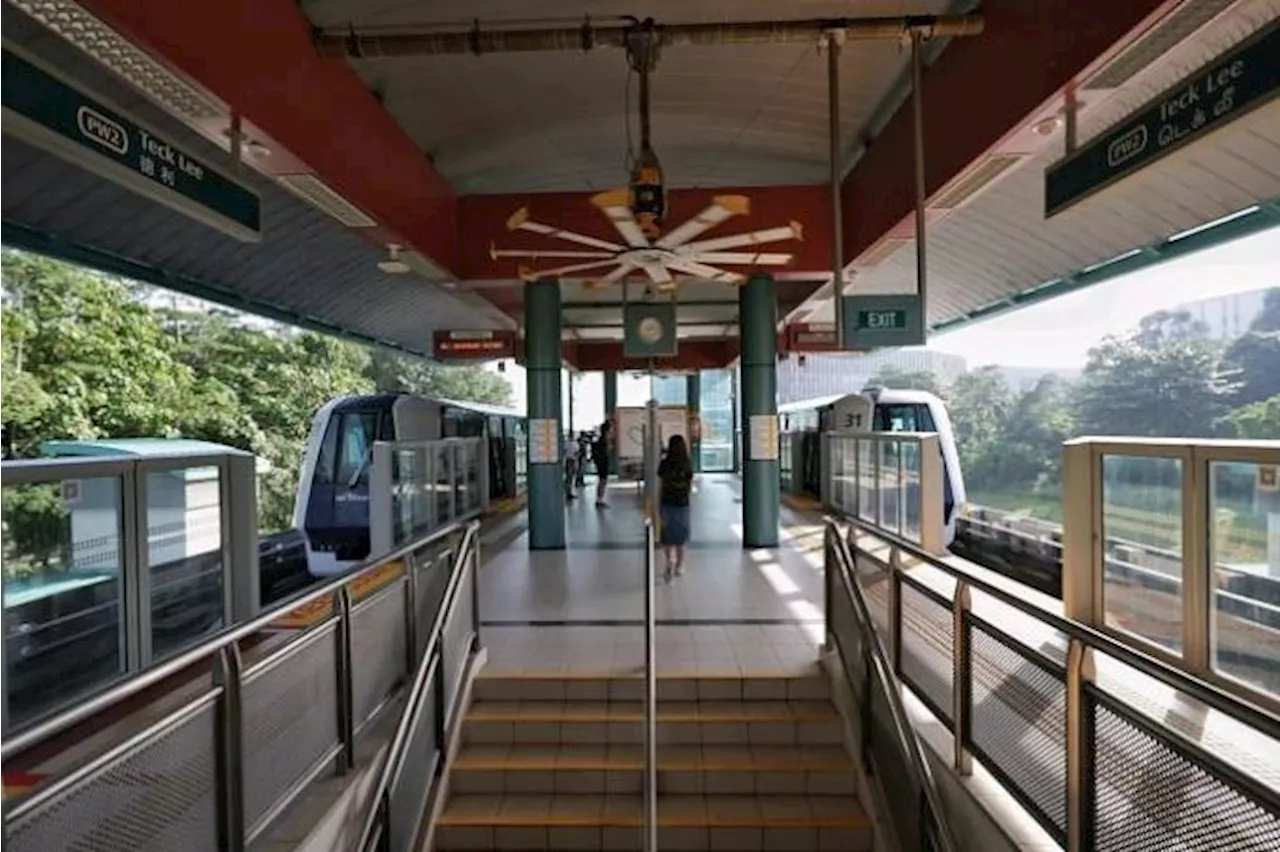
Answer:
(658, 274)
(722, 207)
(769, 235)
(535, 254)
(701, 270)
(744, 258)
(534, 274)
(616, 205)
(520, 221)
(612, 278)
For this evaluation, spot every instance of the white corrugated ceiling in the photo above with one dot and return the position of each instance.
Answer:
(1000, 243)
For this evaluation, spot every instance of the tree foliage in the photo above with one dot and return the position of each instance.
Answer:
(84, 356)
(1254, 358)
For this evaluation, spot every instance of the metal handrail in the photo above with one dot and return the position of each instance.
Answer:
(379, 814)
(205, 651)
(650, 694)
(1253, 715)
(905, 732)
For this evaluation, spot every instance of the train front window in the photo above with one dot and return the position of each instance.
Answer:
(347, 451)
(905, 417)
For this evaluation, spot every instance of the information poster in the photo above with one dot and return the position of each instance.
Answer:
(763, 439)
(544, 441)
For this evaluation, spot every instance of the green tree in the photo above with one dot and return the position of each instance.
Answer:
(1258, 421)
(1162, 380)
(394, 373)
(1254, 357)
(979, 405)
(1028, 453)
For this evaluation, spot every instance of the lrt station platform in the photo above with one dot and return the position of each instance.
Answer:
(852, 687)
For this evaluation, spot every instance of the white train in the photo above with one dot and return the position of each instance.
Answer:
(332, 502)
(873, 410)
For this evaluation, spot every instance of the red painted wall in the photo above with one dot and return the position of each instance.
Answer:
(977, 91)
(257, 56)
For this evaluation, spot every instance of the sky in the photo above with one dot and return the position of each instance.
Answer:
(1055, 334)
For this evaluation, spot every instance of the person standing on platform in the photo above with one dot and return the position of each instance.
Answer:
(570, 466)
(675, 475)
(584, 454)
(600, 458)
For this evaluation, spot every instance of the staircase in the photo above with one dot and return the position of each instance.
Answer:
(556, 762)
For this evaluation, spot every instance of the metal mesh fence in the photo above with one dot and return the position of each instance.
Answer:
(1152, 793)
(290, 721)
(159, 796)
(377, 643)
(1018, 723)
(927, 634)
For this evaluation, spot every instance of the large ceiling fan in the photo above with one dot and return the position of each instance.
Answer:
(637, 213)
(675, 254)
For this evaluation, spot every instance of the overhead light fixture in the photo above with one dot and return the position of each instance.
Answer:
(393, 265)
(147, 75)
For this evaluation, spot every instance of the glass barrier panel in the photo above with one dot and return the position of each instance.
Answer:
(1244, 552)
(1142, 547)
(835, 453)
(849, 475)
(443, 490)
(64, 623)
(473, 477)
(184, 556)
(910, 489)
(888, 484)
(866, 453)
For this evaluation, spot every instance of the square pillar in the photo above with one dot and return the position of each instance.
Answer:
(611, 406)
(758, 321)
(693, 398)
(542, 376)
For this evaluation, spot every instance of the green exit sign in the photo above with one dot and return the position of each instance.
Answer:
(883, 320)
(895, 320)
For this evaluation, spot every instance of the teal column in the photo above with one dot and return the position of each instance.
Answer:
(693, 394)
(610, 406)
(758, 319)
(542, 377)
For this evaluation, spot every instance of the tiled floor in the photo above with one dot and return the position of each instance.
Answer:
(733, 611)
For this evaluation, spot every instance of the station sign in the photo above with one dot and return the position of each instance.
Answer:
(55, 116)
(484, 344)
(812, 337)
(1237, 82)
(884, 320)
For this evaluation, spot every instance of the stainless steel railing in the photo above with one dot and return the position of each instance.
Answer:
(1068, 719)
(249, 736)
(931, 831)
(650, 692)
(425, 719)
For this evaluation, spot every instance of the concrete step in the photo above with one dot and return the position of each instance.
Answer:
(808, 684)
(682, 770)
(679, 723)
(685, 823)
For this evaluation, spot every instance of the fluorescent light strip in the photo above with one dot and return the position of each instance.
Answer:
(82, 30)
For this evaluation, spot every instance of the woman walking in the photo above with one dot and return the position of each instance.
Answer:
(675, 473)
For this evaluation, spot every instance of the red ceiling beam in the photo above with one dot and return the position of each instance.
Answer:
(979, 90)
(258, 57)
(591, 356)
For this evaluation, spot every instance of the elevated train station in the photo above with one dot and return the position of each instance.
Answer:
(664, 189)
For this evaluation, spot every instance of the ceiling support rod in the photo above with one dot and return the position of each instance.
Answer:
(834, 40)
(917, 126)
(478, 41)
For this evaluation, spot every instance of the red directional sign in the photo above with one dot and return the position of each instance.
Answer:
(475, 344)
(812, 337)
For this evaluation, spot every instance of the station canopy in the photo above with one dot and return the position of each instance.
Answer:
(413, 169)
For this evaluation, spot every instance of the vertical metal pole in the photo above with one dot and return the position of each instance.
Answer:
(834, 40)
(650, 696)
(1071, 109)
(237, 144)
(895, 611)
(230, 749)
(917, 109)
(1079, 758)
(961, 678)
(475, 587)
(345, 688)
(410, 563)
